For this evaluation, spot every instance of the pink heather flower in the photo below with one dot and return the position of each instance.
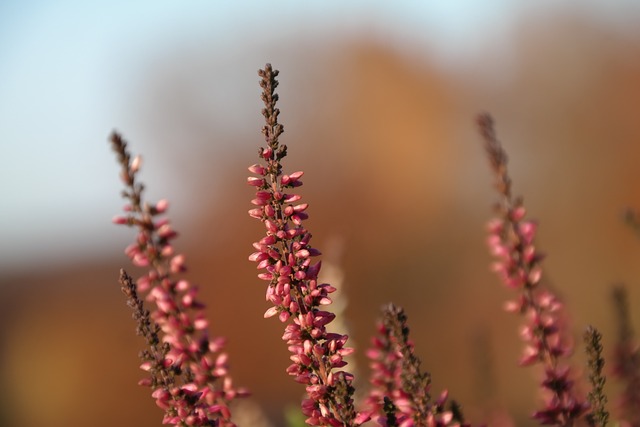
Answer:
(120, 220)
(162, 206)
(399, 389)
(136, 163)
(285, 258)
(511, 240)
(193, 390)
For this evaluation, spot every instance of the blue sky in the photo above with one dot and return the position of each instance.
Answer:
(68, 68)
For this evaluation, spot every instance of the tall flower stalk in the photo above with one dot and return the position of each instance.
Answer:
(400, 388)
(285, 257)
(512, 241)
(598, 416)
(188, 371)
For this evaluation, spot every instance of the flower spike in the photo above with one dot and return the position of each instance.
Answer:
(512, 241)
(401, 391)
(285, 258)
(188, 373)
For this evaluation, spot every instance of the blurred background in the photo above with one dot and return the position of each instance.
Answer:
(378, 101)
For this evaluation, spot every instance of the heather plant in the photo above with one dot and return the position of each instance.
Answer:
(512, 242)
(285, 255)
(187, 369)
(400, 390)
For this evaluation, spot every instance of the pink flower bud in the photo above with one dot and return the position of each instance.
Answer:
(257, 169)
(301, 207)
(284, 316)
(136, 163)
(518, 213)
(258, 256)
(177, 264)
(268, 240)
(528, 231)
(534, 275)
(296, 175)
(256, 182)
(442, 399)
(269, 211)
(216, 344)
(140, 260)
(146, 366)
(120, 220)
(346, 351)
(302, 253)
(530, 356)
(265, 276)
(271, 226)
(290, 198)
(166, 232)
(512, 306)
(162, 206)
(201, 324)
(143, 283)
(167, 251)
(145, 382)
(256, 213)
(267, 153)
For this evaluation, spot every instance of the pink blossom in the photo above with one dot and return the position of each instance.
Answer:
(202, 397)
(398, 380)
(518, 265)
(284, 258)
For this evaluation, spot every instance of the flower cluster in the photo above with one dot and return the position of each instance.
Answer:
(188, 371)
(511, 241)
(400, 389)
(285, 257)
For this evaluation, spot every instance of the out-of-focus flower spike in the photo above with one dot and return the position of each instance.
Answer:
(518, 265)
(175, 328)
